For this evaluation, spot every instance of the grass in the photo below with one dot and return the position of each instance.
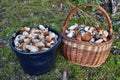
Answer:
(19, 13)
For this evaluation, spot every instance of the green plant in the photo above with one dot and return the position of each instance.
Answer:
(116, 28)
(82, 1)
(92, 1)
(95, 2)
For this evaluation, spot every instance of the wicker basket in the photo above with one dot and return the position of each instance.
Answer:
(85, 53)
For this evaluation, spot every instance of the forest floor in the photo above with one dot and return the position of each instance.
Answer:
(20, 13)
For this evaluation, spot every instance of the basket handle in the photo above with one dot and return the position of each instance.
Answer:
(93, 5)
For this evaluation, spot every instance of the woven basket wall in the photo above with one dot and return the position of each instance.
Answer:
(86, 53)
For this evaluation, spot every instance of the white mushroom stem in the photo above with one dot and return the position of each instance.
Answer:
(105, 33)
(82, 26)
(27, 40)
(26, 28)
(92, 40)
(41, 36)
(32, 31)
(52, 42)
(82, 33)
(17, 44)
(99, 41)
(36, 31)
(33, 36)
(46, 29)
(52, 35)
(40, 44)
(19, 37)
(70, 35)
(86, 28)
(46, 48)
(91, 29)
(73, 26)
(36, 40)
(25, 33)
(32, 48)
(66, 31)
(41, 27)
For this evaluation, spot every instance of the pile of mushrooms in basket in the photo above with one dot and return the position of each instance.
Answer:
(87, 33)
(35, 39)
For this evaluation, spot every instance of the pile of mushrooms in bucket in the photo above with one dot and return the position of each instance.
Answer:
(35, 39)
(87, 33)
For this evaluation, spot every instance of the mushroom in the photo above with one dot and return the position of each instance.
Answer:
(104, 37)
(33, 36)
(46, 48)
(99, 30)
(27, 40)
(92, 40)
(56, 37)
(52, 42)
(41, 31)
(48, 38)
(41, 27)
(32, 30)
(41, 36)
(32, 48)
(76, 31)
(17, 44)
(26, 29)
(40, 44)
(42, 48)
(105, 32)
(78, 37)
(71, 34)
(23, 46)
(25, 33)
(46, 32)
(20, 37)
(97, 36)
(99, 41)
(66, 31)
(35, 44)
(86, 36)
(36, 32)
(35, 40)
(73, 26)
(48, 45)
(82, 26)
(52, 35)
(82, 33)
(86, 28)
(91, 29)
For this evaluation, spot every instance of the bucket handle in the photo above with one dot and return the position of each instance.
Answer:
(93, 5)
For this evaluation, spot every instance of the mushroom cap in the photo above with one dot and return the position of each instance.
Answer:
(48, 38)
(86, 36)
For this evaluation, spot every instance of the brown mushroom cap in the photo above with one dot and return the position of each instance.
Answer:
(78, 37)
(86, 36)
(48, 38)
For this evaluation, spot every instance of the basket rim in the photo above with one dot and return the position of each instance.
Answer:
(87, 43)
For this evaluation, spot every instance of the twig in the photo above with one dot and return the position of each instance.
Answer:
(64, 75)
